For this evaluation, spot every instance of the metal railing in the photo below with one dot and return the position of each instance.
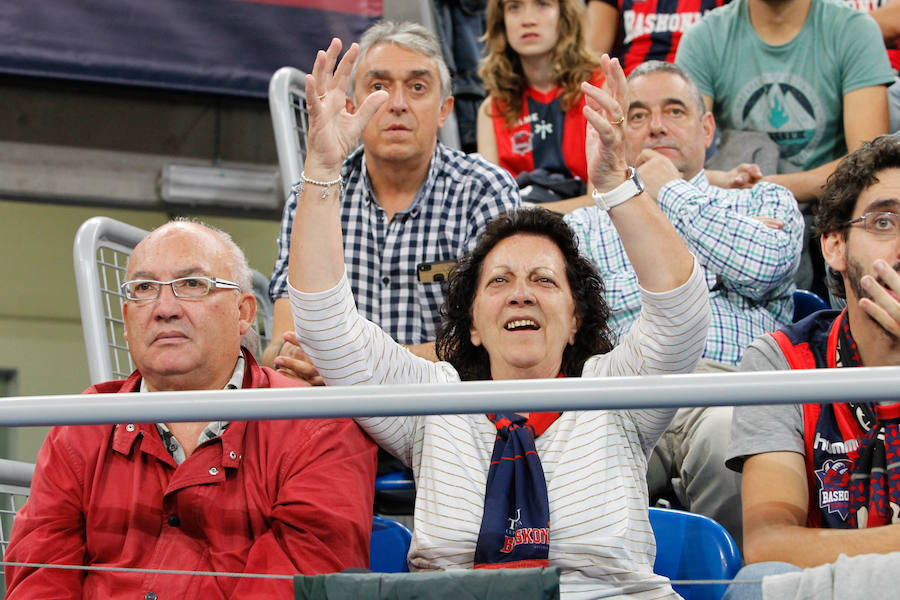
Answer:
(610, 393)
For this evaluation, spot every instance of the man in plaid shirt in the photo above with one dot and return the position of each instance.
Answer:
(408, 199)
(748, 240)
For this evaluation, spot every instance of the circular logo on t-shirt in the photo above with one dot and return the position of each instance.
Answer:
(787, 108)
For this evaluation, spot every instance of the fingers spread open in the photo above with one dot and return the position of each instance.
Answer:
(599, 100)
(342, 75)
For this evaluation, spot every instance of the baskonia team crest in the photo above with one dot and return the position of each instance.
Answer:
(521, 142)
(834, 487)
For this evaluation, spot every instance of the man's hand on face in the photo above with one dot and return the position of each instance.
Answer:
(883, 307)
(656, 170)
(293, 362)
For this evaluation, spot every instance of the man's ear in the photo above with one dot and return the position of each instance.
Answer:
(834, 250)
(709, 128)
(246, 311)
(125, 319)
(446, 109)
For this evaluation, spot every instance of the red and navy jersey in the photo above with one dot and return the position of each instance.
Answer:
(651, 29)
(545, 137)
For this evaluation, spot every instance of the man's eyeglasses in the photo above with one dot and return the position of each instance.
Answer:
(879, 223)
(139, 290)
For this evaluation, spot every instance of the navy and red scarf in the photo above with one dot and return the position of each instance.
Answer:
(852, 448)
(515, 526)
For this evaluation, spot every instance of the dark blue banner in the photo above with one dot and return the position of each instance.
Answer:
(219, 46)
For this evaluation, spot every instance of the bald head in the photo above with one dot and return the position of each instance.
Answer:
(218, 240)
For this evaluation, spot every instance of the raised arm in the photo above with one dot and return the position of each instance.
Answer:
(317, 257)
(659, 257)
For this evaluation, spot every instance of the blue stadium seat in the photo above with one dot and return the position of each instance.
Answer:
(396, 481)
(806, 303)
(389, 546)
(691, 546)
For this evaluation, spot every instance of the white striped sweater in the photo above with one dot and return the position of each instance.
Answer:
(594, 461)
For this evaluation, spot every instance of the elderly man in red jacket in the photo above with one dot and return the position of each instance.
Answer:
(272, 497)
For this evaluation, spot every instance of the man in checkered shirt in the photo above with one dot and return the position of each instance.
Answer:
(408, 199)
(747, 240)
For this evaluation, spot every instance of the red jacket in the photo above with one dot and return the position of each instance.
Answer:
(279, 497)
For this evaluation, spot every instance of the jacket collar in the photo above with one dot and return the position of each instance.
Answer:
(231, 442)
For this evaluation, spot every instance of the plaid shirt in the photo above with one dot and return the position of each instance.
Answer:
(749, 267)
(460, 195)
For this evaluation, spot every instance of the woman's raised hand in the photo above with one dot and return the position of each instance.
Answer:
(605, 111)
(334, 130)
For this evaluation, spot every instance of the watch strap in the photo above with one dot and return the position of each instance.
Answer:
(631, 187)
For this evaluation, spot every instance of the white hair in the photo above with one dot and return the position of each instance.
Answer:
(413, 37)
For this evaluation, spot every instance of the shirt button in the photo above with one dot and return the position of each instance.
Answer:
(174, 521)
(130, 427)
(232, 455)
(150, 596)
(213, 471)
(385, 280)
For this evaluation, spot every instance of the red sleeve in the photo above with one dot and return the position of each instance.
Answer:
(50, 527)
(322, 515)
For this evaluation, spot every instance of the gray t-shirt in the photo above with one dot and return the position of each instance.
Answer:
(764, 428)
(793, 91)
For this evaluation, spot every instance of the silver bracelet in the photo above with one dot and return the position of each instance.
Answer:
(325, 185)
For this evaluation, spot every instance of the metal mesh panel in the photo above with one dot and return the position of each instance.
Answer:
(111, 264)
(298, 106)
(12, 497)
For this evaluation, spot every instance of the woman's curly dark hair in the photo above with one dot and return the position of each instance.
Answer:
(454, 342)
(853, 175)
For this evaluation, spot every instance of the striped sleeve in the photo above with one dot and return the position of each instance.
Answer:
(667, 338)
(350, 350)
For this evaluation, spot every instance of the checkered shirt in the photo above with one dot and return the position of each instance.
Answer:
(749, 267)
(460, 195)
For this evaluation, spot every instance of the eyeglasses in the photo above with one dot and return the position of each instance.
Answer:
(140, 290)
(879, 223)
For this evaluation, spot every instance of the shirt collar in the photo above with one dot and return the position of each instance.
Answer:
(213, 430)
(125, 434)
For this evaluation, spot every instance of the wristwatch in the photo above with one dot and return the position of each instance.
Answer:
(631, 187)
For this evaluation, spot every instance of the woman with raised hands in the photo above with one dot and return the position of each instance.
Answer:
(524, 304)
